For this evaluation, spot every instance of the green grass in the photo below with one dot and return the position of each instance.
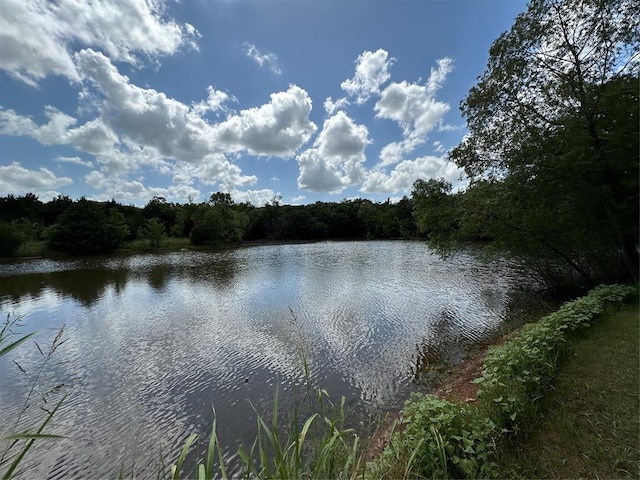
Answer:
(592, 423)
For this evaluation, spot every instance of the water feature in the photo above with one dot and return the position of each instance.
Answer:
(155, 342)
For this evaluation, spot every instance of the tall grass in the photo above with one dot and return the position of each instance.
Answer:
(18, 443)
(288, 446)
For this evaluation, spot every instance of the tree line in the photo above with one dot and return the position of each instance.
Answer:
(85, 227)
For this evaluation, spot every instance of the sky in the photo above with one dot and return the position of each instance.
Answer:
(308, 100)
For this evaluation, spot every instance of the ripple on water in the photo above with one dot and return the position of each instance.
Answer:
(155, 343)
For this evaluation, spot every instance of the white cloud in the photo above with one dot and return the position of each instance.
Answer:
(372, 71)
(394, 152)
(96, 180)
(438, 147)
(331, 107)
(405, 173)
(93, 137)
(145, 116)
(138, 127)
(16, 179)
(438, 75)
(337, 157)
(134, 191)
(414, 106)
(254, 197)
(150, 118)
(36, 35)
(279, 127)
(297, 200)
(74, 160)
(262, 59)
(215, 102)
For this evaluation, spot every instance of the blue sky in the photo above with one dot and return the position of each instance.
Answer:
(309, 99)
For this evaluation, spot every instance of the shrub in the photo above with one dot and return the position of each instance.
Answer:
(517, 373)
(9, 240)
(440, 439)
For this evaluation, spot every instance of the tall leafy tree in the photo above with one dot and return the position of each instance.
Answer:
(553, 138)
(88, 227)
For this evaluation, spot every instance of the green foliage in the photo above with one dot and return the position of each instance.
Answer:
(153, 231)
(440, 439)
(217, 223)
(26, 229)
(591, 423)
(318, 447)
(9, 240)
(552, 149)
(87, 228)
(517, 373)
(17, 444)
(434, 210)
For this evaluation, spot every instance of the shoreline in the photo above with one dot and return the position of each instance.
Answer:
(456, 386)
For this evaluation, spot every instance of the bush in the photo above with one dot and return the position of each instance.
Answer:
(9, 240)
(440, 439)
(517, 373)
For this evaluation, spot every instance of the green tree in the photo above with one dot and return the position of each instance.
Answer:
(219, 221)
(26, 229)
(9, 240)
(553, 140)
(88, 227)
(434, 211)
(153, 231)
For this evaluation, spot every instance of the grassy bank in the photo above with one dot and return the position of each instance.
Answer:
(438, 438)
(592, 422)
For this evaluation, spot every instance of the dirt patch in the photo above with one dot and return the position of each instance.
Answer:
(457, 387)
(460, 387)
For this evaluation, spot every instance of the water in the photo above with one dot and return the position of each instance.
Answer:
(155, 342)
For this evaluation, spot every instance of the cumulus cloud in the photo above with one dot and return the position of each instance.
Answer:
(214, 169)
(134, 191)
(401, 178)
(36, 35)
(415, 108)
(74, 160)
(372, 71)
(413, 105)
(337, 157)
(215, 102)
(93, 137)
(279, 127)
(263, 59)
(394, 152)
(16, 179)
(331, 106)
(138, 127)
(254, 197)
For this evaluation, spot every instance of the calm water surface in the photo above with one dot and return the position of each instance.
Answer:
(155, 342)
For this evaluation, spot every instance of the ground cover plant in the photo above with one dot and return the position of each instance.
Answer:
(442, 439)
(591, 421)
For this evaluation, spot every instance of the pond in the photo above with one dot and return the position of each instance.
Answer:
(155, 343)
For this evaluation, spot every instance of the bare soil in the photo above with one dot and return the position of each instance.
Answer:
(457, 387)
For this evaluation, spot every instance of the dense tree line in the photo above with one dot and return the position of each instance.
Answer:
(88, 227)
